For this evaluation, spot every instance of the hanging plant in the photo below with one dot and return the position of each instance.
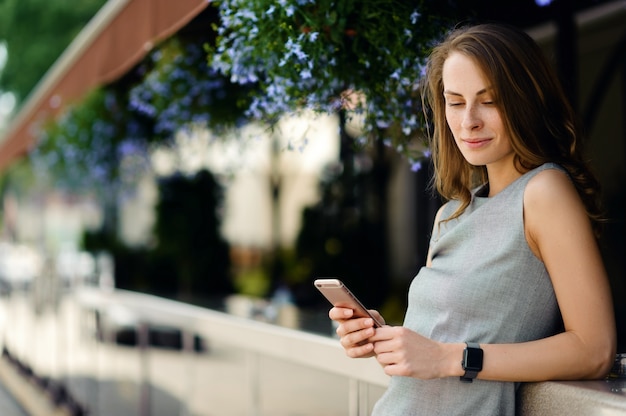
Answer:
(104, 139)
(182, 91)
(85, 147)
(309, 54)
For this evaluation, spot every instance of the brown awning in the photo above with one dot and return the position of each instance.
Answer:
(116, 39)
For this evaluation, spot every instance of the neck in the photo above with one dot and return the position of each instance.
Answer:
(500, 177)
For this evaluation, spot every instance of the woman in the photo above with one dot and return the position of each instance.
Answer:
(514, 288)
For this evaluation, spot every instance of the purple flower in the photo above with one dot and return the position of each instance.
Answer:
(416, 165)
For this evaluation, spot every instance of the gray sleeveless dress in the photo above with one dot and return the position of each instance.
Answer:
(486, 286)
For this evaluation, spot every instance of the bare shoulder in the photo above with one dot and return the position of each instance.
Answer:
(551, 188)
(553, 211)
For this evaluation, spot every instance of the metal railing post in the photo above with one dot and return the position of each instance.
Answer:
(143, 343)
(254, 378)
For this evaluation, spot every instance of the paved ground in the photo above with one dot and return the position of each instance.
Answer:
(8, 404)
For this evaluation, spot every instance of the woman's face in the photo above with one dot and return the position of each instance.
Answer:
(472, 115)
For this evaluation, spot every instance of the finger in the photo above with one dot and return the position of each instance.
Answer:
(396, 369)
(340, 314)
(361, 351)
(384, 333)
(354, 325)
(384, 358)
(355, 338)
(391, 369)
(377, 315)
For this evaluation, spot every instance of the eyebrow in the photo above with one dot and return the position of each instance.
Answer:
(448, 92)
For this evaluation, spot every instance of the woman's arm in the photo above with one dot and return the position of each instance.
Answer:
(560, 234)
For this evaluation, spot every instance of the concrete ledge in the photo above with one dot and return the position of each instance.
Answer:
(573, 398)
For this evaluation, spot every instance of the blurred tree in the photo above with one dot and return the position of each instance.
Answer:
(35, 33)
(344, 234)
(189, 260)
(190, 250)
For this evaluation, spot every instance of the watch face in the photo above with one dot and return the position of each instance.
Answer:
(473, 359)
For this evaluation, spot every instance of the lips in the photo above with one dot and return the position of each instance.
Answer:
(476, 143)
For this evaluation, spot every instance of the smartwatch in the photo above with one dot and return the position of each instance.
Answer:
(472, 361)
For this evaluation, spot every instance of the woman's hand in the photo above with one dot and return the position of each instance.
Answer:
(355, 332)
(402, 352)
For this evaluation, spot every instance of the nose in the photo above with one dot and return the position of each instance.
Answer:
(471, 119)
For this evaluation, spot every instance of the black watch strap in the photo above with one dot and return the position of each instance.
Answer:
(472, 361)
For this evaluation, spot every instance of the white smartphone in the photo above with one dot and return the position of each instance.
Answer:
(339, 295)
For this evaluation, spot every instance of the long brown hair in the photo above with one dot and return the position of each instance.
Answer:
(534, 108)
